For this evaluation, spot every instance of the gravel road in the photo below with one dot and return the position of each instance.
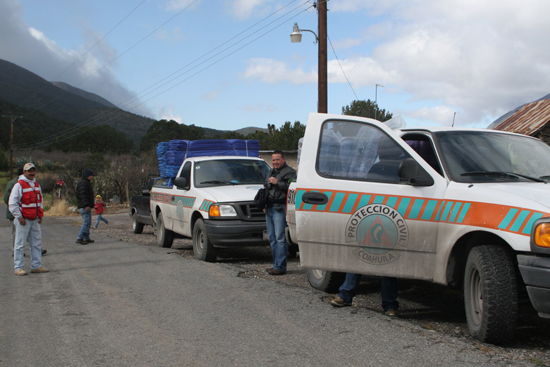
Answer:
(432, 307)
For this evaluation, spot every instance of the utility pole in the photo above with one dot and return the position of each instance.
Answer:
(323, 75)
(12, 119)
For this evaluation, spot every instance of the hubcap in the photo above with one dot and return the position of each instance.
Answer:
(476, 297)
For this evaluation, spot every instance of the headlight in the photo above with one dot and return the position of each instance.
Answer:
(222, 211)
(542, 235)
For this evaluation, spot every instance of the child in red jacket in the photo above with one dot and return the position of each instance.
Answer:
(99, 208)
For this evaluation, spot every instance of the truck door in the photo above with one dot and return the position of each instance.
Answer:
(181, 201)
(354, 213)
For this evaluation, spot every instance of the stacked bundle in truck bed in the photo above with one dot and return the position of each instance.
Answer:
(175, 152)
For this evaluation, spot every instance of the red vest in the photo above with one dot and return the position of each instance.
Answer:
(32, 197)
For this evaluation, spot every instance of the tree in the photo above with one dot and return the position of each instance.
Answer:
(366, 109)
(163, 130)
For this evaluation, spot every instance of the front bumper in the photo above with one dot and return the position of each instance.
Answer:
(536, 276)
(235, 233)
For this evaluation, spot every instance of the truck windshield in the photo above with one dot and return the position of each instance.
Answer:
(473, 156)
(230, 172)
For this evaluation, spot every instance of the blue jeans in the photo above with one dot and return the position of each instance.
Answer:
(99, 217)
(276, 224)
(86, 224)
(31, 231)
(388, 290)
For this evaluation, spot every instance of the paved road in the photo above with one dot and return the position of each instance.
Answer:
(115, 303)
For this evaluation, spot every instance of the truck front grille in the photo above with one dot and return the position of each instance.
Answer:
(251, 212)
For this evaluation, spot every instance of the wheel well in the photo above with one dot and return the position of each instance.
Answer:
(194, 217)
(457, 260)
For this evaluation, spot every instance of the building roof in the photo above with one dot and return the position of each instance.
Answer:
(528, 119)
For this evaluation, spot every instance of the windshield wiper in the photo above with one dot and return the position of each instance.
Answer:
(219, 182)
(501, 174)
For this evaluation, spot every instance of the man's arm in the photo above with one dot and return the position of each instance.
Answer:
(15, 200)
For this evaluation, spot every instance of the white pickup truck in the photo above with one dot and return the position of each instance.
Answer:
(468, 208)
(212, 202)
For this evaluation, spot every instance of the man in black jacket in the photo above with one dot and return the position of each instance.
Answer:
(85, 197)
(275, 211)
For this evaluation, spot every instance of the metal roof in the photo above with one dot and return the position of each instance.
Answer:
(528, 119)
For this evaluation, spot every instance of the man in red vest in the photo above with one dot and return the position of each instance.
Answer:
(25, 204)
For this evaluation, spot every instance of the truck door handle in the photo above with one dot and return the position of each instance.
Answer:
(315, 198)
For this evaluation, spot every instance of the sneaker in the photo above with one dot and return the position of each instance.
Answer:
(44, 252)
(81, 242)
(20, 272)
(40, 270)
(339, 302)
(89, 241)
(391, 313)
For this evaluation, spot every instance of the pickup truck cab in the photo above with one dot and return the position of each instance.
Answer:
(140, 206)
(468, 208)
(212, 202)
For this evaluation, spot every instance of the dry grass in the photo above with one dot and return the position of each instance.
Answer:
(60, 209)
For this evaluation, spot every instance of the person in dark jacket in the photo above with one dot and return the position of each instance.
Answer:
(275, 211)
(85, 197)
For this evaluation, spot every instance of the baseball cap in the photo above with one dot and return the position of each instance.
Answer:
(28, 166)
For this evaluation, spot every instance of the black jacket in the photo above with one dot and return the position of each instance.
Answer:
(277, 193)
(85, 193)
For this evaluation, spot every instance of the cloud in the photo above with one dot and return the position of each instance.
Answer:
(272, 71)
(178, 5)
(167, 113)
(31, 49)
(244, 9)
(212, 96)
(479, 58)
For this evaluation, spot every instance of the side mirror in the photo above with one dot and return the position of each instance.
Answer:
(181, 183)
(410, 171)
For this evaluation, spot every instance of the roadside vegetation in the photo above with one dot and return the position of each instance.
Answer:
(121, 172)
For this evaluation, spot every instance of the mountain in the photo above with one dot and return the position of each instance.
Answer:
(82, 93)
(64, 102)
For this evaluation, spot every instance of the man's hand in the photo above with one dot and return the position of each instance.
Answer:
(87, 208)
(39, 220)
(22, 221)
(272, 180)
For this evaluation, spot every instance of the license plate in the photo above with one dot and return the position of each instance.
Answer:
(265, 235)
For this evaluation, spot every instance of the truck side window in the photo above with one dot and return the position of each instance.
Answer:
(186, 172)
(351, 150)
(423, 145)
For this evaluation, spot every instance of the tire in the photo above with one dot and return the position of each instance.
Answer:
(327, 281)
(203, 249)
(137, 226)
(491, 294)
(165, 237)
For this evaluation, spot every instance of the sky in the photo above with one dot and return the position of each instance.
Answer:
(229, 64)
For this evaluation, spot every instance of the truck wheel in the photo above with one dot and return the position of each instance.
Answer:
(165, 237)
(137, 226)
(327, 281)
(202, 247)
(491, 294)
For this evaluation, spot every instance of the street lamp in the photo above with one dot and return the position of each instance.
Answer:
(296, 37)
(376, 99)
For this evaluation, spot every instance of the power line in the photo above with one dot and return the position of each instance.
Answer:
(92, 120)
(343, 72)
(81, 56)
